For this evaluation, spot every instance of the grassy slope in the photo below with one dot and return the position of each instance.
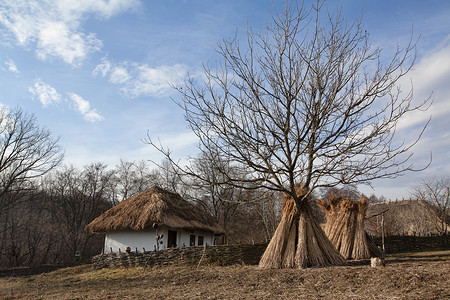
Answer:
(421, 275)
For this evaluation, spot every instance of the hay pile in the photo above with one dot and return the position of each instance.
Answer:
(299, 241)
(345, 227)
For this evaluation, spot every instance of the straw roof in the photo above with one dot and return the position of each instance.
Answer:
(403, 217)
(154, 206)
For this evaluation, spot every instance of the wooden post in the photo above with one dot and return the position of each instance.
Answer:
(203, 255)
(383, 248)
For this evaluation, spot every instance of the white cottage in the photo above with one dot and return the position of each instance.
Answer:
(153, 219)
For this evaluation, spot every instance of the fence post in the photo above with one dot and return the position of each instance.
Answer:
(383, 248)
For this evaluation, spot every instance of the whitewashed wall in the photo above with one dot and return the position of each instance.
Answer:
(184, 237)
(146, 239)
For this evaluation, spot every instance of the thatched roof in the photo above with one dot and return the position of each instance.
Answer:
(154, 206)
(403, 217)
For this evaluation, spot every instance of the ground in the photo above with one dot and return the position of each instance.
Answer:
(419, 275)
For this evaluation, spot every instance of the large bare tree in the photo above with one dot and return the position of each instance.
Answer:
(27, 151)
(307, 103)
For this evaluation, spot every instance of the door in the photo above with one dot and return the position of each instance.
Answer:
(172, 239)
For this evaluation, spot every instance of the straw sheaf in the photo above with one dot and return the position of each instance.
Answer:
(154, 206)
(338, 204)
(289, 206)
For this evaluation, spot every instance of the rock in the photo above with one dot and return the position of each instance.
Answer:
(377, 262)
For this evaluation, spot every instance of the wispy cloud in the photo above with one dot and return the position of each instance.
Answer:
(140, 79)
(54, 27)
(46, 94)
(430, 77)
(11, 66)
(84, 107)
(58, 39)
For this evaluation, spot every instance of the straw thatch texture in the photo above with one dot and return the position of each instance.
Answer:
(299, 241)
(280, 252)
(345, 227)
(154, 206)
(403, 218)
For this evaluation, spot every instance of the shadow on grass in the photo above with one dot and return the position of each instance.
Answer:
(28, 271)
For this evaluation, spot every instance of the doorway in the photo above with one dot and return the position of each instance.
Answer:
(172, 239)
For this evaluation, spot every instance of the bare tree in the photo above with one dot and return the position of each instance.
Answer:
(27, 151)
(26, 237)
(78, 197)
(169, 177)
(436, 191)
(349, 191)
(205, 186)
(311, 102)
(268, 208)
(132, 178)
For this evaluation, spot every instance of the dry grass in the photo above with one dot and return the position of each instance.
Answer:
(422, 275)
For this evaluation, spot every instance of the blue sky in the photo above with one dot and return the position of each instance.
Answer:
(96, 72)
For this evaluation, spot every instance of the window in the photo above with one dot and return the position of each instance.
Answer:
(192, 240)
(200, 240)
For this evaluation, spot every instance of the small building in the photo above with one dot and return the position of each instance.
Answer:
(403, 218)
(155, 219)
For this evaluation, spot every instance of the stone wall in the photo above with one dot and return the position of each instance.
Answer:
(218, 254)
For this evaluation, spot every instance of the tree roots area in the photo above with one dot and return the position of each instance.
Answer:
(420, 275)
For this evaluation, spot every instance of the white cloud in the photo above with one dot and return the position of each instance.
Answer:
(179, 141)
(140, 79)
(154, 81)
(103, 68)
(54, 27)
(93, 116)
(101, 8)
(11, 66)
(430, 77)
(84, 107)
(56, 39)
(119, 75)
(46, 94)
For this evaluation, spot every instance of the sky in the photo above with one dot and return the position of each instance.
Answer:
(97, 72)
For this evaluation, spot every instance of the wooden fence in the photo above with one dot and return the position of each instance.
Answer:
(218, 254)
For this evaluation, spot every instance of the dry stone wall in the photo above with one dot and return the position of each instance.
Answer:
(218, 254)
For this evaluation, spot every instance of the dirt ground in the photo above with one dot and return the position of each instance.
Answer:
(421, 275)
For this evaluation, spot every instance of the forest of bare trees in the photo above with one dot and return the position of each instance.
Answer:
(46, 227)
(45, 205)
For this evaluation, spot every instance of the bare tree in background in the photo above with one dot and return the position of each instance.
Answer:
(436, 191)
(132, 178)
(27, 151)
(309, 101)
(349, 191)
(77, 198)
(205, 186)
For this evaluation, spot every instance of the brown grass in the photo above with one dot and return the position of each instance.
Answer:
(422, 275)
